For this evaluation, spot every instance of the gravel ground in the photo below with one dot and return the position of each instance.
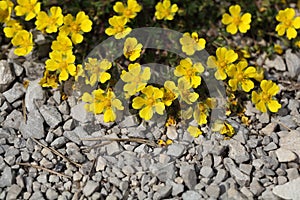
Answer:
(43, 154)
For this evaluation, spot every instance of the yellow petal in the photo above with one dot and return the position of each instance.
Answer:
(273, 105)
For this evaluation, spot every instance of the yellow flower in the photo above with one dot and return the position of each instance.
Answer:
(288, 23)
(62, 43)
(29, 8)
(184, 91)
(278, 49)
(164, 10)
(202, 110)
(170, 92)
(222, 60)
(5, 10)
(12, 27)
(97, 70)
(101, 102)
(62, 63)
(149, 102)
(194, 131)
(189, 71)
(223, 128)
(240, 75)
(191, 43)
(49, 23)
(130, 11)
(236, 21)
(49, 80)
(259, 74)
(76, 27)
(23, 43)
(135, 78)
(264, 99)
(132, 49)
(118, 28)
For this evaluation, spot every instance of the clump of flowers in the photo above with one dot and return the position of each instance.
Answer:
(96, 71)
(235, 21)
(6, 7)
(191, 43)
(224, 128)
(166, 11)
(194, 131)
(170, 91)
(288, 23)
(12, 27)
(103, 102)
(265, 98)
(202, 110)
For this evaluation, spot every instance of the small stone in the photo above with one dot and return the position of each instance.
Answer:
(58, 142)
(247, 192)
(163, 192)
(292, 173)
(35, 96)
(206, 172)
(7, 75)
(191, 195)
(101, 164)
(188, 174)
(13, 192)
(33, 127)
(80, 114)
(18, 69)
(76, 135)
(213, 191)
(74, 154)
(256, 188)
(287, 122)
(69, 125)
(13, 120)
(293, 63)
(15, 93)
(176, 150)
(264, 118)
(90, 187)
(221, 175)
(129, 121)
(291, 142)
(269, 129)
(289, 190)
(7, 177)
(177, 189)
(282, 180)
(163, 172)
(237, 151)
(285, 155)
(51, 115)
(172, 132)
(271, 146)
(64, 108)
(51, 194)
(34, 70)
(276, 63)
(246, 168)
(241, 178)
(37, 195)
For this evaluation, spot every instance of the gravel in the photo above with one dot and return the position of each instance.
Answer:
(7, 75)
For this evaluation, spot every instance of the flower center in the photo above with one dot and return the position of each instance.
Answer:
(240, 76)
(265, 97)
(236, 20)
(151, 101)
(75, 28)
(119, 29)
(127, 12)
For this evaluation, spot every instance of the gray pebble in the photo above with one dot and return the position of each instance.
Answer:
(74, 154)
(37, 195)
(213, 191)
(7, 75)
(163, 192)
(206, 172)
(13, 120)
(256, 188)
(176, 150)
(163, 172)
(69, 125)
(271, 146)
(51, 194)
(289, 190)
(6, 178)
(246, 168)
(51, 115)
(285, 155)
(15, 93)
(188, 174)
(35, 96)
(241, 178)
(292, 173)
(79, 113)
(191, 195)
(221, 175)
(13, 192)
(64, 108)
(237, 151)
(33, 127)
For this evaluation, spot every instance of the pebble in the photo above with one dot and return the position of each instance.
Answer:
(74, 154)
(13, 120)
(276, 63)
(76, 134)
(51, 194)
(289, 190)
(293, 63)
(51, 115)
(176, 150)
(191, 195)
(7, 75)
(188, 174)
(33, 127)
(58, 142)
(6, 178)
(291, 142)
(213, 191)
(16, 92)
(163, 172)
(241, 178)
(269, 129)
(271, 146)
(256, 188)
(35, 96)
(237, 151)
(292, 173)
(285, 155)
(206, 172)
(13, 192)
(163, 192)
(79, 113)
(221, 176)
(246, 168)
